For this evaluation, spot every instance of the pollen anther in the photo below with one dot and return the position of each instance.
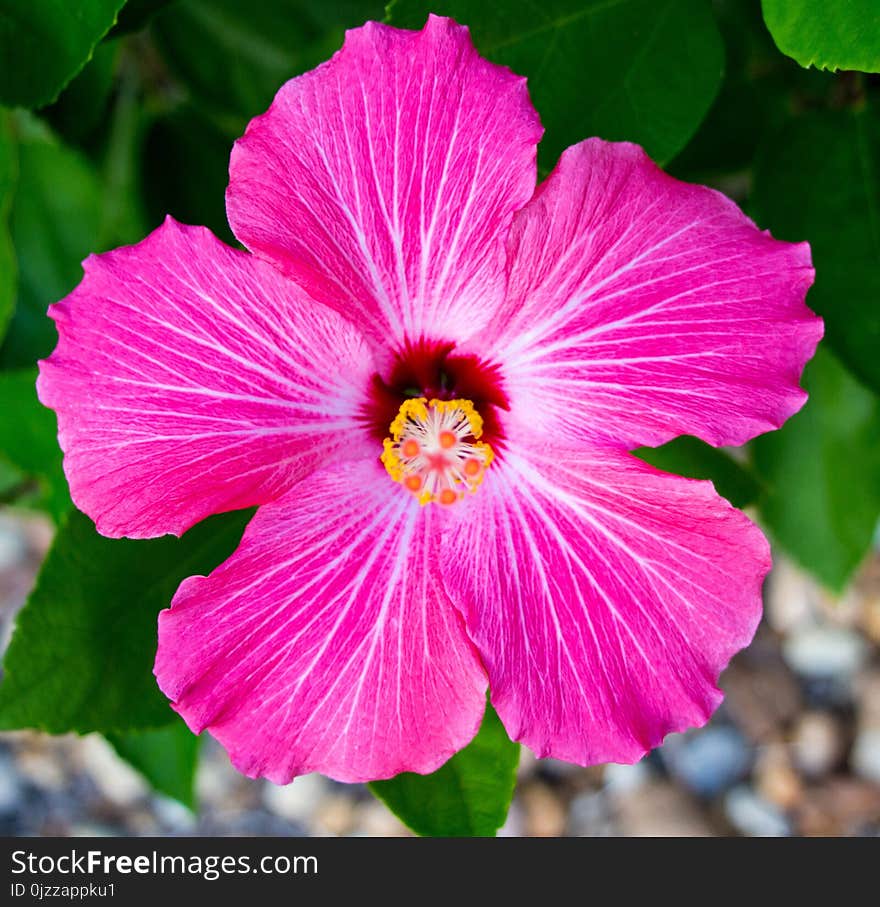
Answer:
(434, 449)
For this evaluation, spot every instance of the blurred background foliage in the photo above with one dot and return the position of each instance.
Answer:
(116, 113)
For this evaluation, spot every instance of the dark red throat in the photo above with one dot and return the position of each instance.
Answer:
(432, 369)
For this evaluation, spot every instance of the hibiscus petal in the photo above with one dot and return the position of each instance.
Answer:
(642, 308)
(385, 180)
(605, 598)
(326, 642)
(191, 378)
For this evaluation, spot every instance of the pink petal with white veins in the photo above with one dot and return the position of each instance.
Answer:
(642, 308)
(385, 180)
(326, 642)
(190, 378)
(605, 598)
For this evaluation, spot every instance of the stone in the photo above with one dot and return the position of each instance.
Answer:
(707, 761)
(543, 811)
(761, 699)
(624, 779)
(818, 743)
(10, 786)
(660, 809)
(792, 598)
(776, 781)
(865, 756)
(12, 543)
(825, 652)
(116, 780)
(297, 801)
(753, 816)
(590, 815)
(514, 824)
(839, 806)
(335, 815)
(174, 816)
(376, 820)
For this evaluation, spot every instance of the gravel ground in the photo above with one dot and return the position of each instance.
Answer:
(794, 749)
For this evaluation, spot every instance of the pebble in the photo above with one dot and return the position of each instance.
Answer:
(761, 699)
(707, 761)
(10, 786)
(376, 820)
(868, 695)
(514, 824)
(12, 544)
(174, 816)
(114, 778)
(43, 767)
(775, 778)
(840, 806)
(589, 815)
(297, 801)
(753, 816)
(335, 815)
(825, 652)
(871, 618)
(792, 600)
(543, 811)
(624, 779)
(817, 743)
(865, 756)
(660, 809)
(214, 776)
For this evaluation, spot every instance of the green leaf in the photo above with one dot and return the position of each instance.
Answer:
(694, 459)
(821, 472)
(28, 440)
(234, 56)
(56, 222)
(82, 653)
(819, 179)
(760, 88)
(468, 796)
(136, 14)
(45, 43)
(8, 179)
(12, 481)
(81, 105)
(166, 757)
(829, 34)
(645, 71)
(186, 170)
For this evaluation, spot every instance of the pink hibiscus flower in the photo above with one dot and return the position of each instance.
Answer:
(429, 377)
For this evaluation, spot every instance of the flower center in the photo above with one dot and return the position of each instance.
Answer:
(434, 450)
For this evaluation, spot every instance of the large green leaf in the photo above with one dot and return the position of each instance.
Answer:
(694, 459)
(821, 473)
(641, 70)
(56, 222)
(830, 34)
(82, 653)
(167, 757)
(45, 43)
(185, 171)
(81, 106)
(819, 180)
(759, 89)
(8, 179)
(136, 14)
(234, 56)
(28, 441)
(12, 482)
(468, 796)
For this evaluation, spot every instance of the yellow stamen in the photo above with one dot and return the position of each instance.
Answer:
(434, 449)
